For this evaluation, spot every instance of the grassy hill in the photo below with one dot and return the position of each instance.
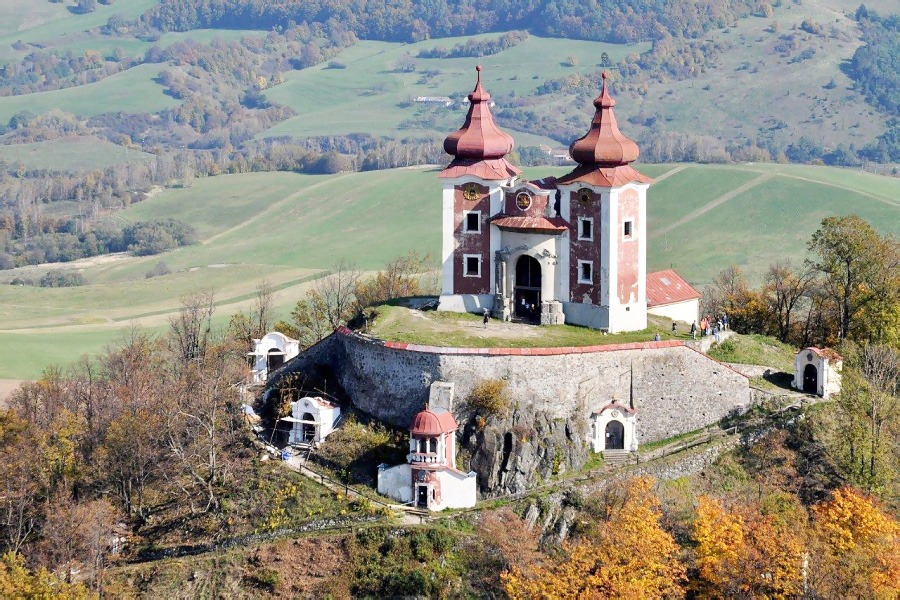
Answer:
(285, 227)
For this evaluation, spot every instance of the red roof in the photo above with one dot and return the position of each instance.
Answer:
(483, 169)
(531, 224)
(433, 422)
(667, 287)
(825, 353)
(479, 138)
(604, 144)
(604, 176)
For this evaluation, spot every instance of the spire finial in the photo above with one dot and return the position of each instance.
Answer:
(478, 71)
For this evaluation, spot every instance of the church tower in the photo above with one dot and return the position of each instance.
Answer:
(604, 200)
(472, 193)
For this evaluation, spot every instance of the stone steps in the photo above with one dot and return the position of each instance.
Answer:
(616, 458)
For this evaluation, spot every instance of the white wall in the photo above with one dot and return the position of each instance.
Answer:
(457, 490)
(396, 482)
(827, 371)
(687, 311)
(601, 420)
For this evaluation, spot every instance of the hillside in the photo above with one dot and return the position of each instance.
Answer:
(285, 227)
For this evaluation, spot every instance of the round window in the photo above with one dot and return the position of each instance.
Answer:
(523, 201)
(585, 196)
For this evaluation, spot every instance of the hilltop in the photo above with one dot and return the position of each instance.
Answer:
(286, 227)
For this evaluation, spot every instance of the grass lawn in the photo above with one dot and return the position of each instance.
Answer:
(755, 350)
(70, 154)
(444, 329)
(365, 96)
(131, 91)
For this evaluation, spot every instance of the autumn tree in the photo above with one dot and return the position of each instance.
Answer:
(743, 552)
(398, 279)
(731, 293)
(16, 581)
(329, 304)
(247, 327)
(860, 268)
(192, 326)
(862, 430)
(783, 291)
(859, 554)
(629, 555)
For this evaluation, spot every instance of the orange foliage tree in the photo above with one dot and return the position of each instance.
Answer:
(860, 547)
(743, 552)
(630, 555)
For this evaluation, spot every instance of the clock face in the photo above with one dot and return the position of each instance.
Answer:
(471, 192)
(523, 201)
(585, 196)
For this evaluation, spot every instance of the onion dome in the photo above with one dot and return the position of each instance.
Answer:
(433, 422)
(479, 138)
(604, 145)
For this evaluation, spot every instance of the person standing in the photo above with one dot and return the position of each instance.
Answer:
(674, 328)
(704, 323)
(485, 319)
(694, 330)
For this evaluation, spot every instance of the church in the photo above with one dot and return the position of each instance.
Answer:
(571, 249)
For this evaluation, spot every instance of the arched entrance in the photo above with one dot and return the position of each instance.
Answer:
(615, 436)
(811, 379)
(275, 359)
(528, 288)
(309, 428)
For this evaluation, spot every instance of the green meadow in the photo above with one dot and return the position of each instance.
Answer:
(286, 227)
(67, 154)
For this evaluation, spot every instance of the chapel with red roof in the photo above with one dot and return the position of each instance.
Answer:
(570, 249)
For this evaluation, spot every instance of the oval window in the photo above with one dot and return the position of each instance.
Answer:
(523, 201)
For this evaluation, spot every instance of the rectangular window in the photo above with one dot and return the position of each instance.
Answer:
(585, 229)
(473, 222)
(471, 265)
(627, 230)
(585, 271)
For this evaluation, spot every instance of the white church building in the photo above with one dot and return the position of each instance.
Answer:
(270, 352)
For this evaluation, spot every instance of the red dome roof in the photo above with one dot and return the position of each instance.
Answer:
(604, 145)
(433, 422)
(479, 138)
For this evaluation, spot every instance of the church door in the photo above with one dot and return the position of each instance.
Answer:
(811, 379)
(309, 429)
(615, 436)
(528, 288)
(422, 496)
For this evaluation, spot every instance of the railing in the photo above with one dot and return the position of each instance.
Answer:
(432, 459)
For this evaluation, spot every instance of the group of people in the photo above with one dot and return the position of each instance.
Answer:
(710, 326)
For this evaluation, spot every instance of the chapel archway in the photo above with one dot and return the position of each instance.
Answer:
(309, 427)
(615, 436)
(528, 288)
(811, 379)
(275, 359)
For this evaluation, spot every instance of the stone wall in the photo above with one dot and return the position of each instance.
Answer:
(674, 389)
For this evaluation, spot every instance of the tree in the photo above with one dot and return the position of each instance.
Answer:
(258, 323)
(16, 581)
(192, 327)
(783, 291)
(859, 555)
(862, 432)
(630, 555)
(860, 267)
(85, 6)
(329, 304)
(398, 279)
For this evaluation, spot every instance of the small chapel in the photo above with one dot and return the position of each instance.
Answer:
(570, 249)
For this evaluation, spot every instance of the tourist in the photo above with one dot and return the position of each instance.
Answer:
(674, 328)
(704, 323)
(716, 333)
(694, 330)
(657, 337)
(725, 320)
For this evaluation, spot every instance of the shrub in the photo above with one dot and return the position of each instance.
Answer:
(61, 278)
(161, 268)
(489, 397)
(146, 238)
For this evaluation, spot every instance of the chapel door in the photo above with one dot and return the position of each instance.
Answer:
(276, 359)
(528, 288)
(811, 379)
(422, 496)
(309, 429)
(615, 436)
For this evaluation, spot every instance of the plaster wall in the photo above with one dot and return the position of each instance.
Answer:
(396, 482)
(686, 311)
(458, 490)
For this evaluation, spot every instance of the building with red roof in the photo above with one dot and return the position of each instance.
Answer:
(571, 249)
(430, 479)
(669, 295)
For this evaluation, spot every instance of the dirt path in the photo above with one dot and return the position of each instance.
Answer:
(715, 203)
(668, 174)
(877, 197)
(7, 387)
(272, 207)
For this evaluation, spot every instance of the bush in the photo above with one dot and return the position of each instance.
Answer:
(146, 238)
(60, 278)
(161, 268)
(489, 397)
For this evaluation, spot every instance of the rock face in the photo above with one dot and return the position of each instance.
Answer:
(555, 393)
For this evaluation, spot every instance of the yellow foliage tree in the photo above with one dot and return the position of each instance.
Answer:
(861, 542)
(630, 556)
(16, 581)
(746, 553)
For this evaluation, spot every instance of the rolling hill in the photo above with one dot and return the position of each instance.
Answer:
(285, 227)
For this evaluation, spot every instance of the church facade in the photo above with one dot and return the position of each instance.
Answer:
(571, 249)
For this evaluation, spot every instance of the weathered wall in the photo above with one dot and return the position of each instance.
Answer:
(555, 391)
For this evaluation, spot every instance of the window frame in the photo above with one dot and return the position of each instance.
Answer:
(581, 221)
(628, 224)
(466, 214)
(581, 264)
(465, 265)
